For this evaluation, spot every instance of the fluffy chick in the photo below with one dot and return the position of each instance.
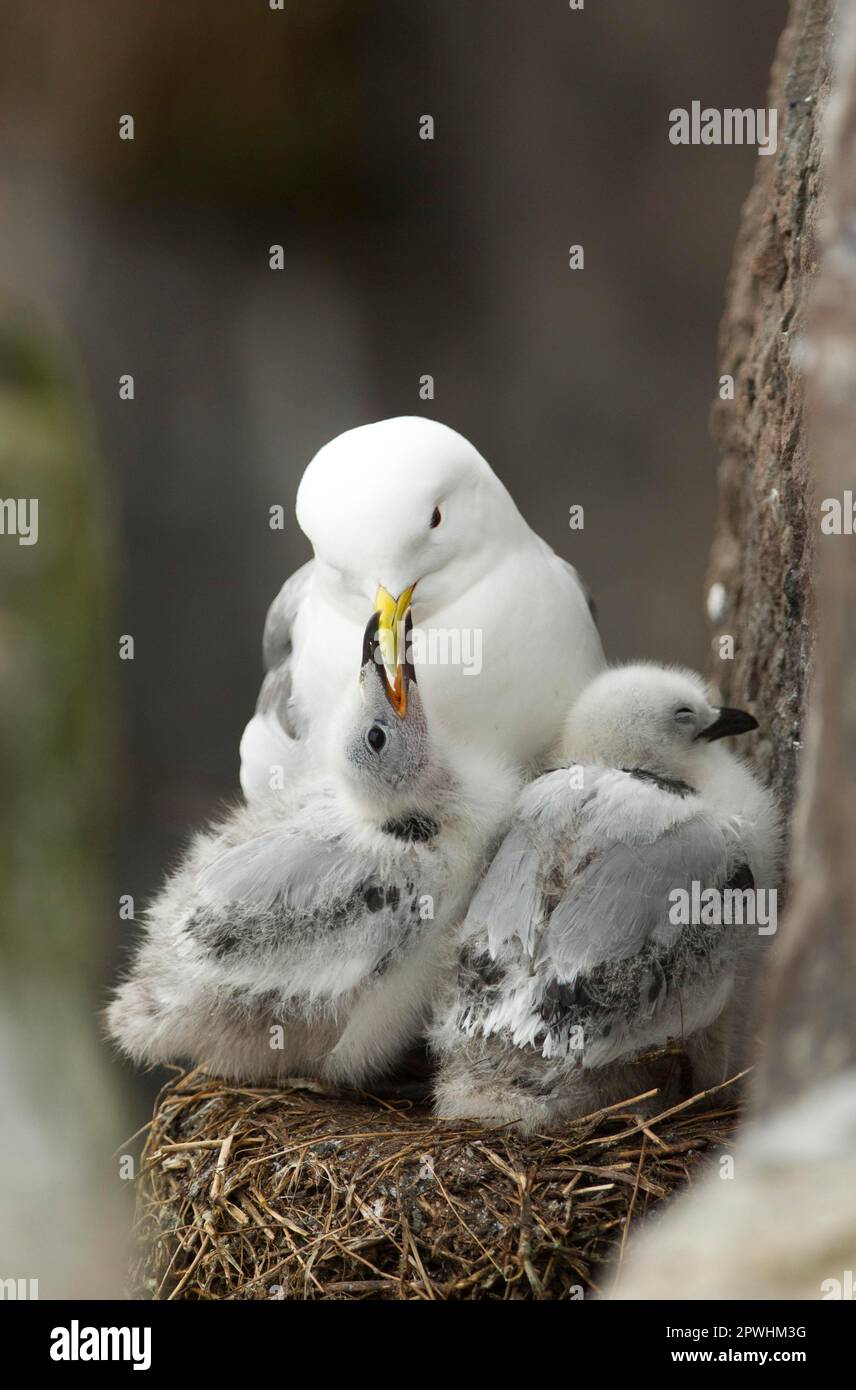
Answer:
(302, 936)
(570, 964)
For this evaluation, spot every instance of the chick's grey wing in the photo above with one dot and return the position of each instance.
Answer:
(606, 971)
(500, 936)
(506, 905)
(278, 649)
(283, 888)
(508, 908)
(277, 866)
(622, 970)
(618, 893)
(626, 1006)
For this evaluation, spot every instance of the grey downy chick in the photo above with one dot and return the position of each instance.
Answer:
(577, 956)
(302, 936)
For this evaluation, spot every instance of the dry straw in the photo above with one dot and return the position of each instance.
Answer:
(296, 1193)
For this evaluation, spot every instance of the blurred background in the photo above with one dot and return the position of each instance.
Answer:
(403, 257)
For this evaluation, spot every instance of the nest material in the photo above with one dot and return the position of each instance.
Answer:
(250, 1193)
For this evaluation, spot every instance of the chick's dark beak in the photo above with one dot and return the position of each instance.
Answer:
(395, 690)
(728, 722)
(370, 642)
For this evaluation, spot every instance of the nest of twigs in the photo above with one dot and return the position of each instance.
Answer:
(250, 1193)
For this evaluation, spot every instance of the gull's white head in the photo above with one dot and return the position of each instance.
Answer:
(402, 505)
(657, 718)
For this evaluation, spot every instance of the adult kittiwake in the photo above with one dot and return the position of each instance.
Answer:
(407, 514)
(303, 935)
(621, 915)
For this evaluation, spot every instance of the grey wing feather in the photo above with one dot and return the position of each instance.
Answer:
(277, 649)
(508, 905)
(507, 902)
(619, 896)
(282, 865)
(606, 963)
(335, 914)
(507, 914)
(626, 1006)
(620, 976)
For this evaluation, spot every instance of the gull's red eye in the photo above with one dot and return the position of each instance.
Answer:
(436, 518)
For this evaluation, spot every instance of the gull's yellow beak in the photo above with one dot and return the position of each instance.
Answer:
(392, 613)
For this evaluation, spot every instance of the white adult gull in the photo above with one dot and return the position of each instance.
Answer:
(404, 514)
(575, 960)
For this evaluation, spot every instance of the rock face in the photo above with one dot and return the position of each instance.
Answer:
(786, 1225)
(789, 340)
(811, 1033)
(762, 551)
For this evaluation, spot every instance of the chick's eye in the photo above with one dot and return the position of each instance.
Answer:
(436, 517)
(684, 714)
(376, 738)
